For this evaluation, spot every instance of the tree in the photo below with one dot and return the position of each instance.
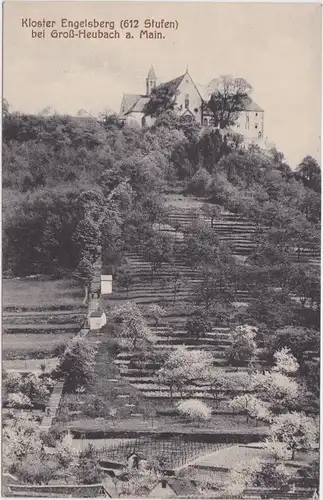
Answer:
(200, 182)
(76, 363)
(125, 277)
(37, 388)
(285, 362)
(88, 470)
(298, 340)
(20, 439)
(162, 98)
(158, 249)
(198, 324)
(252, 407)
(243, 347)
(225, 384)
(257, 473)
(131, 327)
(87, 237)
(309, 173)
(194, 410)
(215, 285)
(138, 484)
(85, 273)
(65, 456)
(156, 312)
(295, 430)
(12, 381)
(183, 367)
(276, 389)
(19, 400)
(212, 212)
(227, 99)
(37, 470)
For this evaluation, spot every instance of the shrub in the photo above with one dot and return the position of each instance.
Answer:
(194, 410)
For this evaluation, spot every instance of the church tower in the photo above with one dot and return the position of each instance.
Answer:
(151, 80)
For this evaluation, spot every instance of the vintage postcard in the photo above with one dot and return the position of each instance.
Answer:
(161, 210)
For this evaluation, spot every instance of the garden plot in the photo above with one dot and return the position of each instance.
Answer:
(227, 458)
(32, 345)
(172, 453)
(99, 444)
(45, 365)
(41, 294)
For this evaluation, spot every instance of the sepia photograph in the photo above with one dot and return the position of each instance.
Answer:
(161, 228)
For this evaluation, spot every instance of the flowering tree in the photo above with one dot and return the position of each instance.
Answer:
(36, 388)
(183, 367)
(296, 431)
(156, 312)
(19, 439)
(195, 410)
(285, 362)
(251, 406)
(224, 383)
(268, 474)
(131, 327)
(18, 400)
(12, 382)
(243, 345)
(65, 456)
(276, 388)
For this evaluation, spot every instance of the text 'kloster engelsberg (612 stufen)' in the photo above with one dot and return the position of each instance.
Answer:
(149, 28)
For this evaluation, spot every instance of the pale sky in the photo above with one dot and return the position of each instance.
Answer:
(275, 47)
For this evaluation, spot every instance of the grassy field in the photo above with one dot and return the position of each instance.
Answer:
(34, 294)
(31, 345)
(30, 365)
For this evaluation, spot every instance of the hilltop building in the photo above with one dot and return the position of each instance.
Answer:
(189, 101)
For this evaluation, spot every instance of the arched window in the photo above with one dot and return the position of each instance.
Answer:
(259, 134)
(247, 120)
(205, 121)
(187, 101)
(143, 121)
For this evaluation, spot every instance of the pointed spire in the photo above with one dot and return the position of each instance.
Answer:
(152, 74)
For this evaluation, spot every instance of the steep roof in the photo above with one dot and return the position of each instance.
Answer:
(128, 101)
(139, 105)
(250, 105)
(172, 85)
(181, 487)
(151, 74)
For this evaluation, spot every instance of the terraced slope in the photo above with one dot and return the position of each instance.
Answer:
(235, 230)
